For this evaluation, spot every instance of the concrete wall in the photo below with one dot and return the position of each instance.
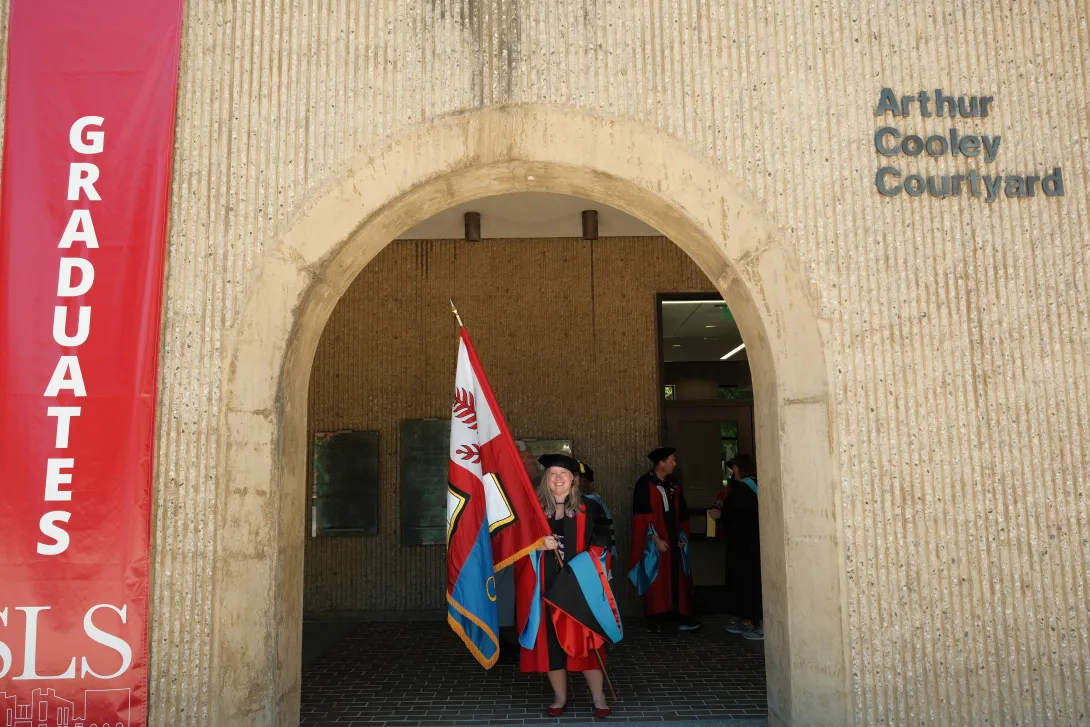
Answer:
(958, 331)
(567, 332)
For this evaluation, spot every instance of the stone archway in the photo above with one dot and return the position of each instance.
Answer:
(257, 609)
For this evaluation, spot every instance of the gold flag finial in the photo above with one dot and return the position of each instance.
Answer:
(455, 312)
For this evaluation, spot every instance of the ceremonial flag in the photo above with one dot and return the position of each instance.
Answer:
(493, 515)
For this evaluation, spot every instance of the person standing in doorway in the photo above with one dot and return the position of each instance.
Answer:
(741, 524)
(659, 559)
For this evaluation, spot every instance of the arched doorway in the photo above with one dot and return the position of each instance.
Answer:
(258, 564)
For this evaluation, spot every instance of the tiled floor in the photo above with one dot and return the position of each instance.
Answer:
(413, 674)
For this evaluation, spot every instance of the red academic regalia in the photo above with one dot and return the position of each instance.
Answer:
(586, 529)
(672, 588)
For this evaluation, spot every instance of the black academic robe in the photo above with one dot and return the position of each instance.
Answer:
(743, 534)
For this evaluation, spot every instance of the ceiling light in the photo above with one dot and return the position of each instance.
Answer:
(733, 352)
(590, 224)
(711, 326)
(473, 226)
(676, 345)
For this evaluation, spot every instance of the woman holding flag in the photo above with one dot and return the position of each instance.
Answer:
(566, 611)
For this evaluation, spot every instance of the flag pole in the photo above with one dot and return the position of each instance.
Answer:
(597, 654)
(609, 682)
(455, 312)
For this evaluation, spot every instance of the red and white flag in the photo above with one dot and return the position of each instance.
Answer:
(493, 514)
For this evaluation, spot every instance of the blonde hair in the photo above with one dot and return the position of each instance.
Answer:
(545, 497)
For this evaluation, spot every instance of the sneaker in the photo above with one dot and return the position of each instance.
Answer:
(737, 626)
(754, 635)
(688, 624)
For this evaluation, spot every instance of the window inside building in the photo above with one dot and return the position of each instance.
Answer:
(734, 391)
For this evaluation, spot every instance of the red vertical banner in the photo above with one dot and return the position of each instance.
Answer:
(91, 95)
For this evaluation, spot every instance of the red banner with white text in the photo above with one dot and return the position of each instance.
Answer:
(88, 140)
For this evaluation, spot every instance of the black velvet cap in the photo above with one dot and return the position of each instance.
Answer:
(660, 454)
(586, 471)
(559, 460)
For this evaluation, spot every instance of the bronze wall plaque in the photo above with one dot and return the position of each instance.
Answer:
(345, 478)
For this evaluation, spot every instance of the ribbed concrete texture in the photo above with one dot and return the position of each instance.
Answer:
(566, 330)
(959, 329)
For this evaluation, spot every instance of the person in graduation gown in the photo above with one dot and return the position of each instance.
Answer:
(741, 524)
(578, 525)
(660, 544)
(586, 483)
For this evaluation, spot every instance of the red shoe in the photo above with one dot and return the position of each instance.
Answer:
(556, 711)
(602, 713)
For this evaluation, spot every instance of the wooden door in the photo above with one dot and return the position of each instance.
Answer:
(706, 435)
